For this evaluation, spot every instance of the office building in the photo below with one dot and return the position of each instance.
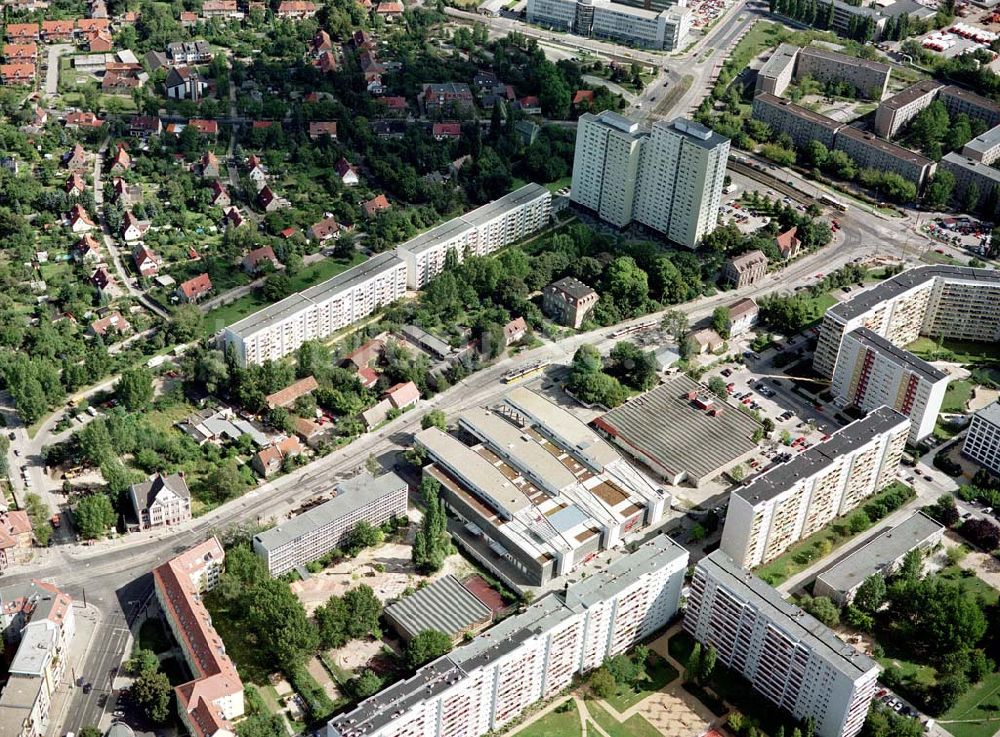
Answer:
(871, 152)
(984, 147)
(937, 301)
(790, 501)
(789, 657)
(483, 685)
(478, 233)
(208, 704)
(38, 624)
(315, 533)
(681, 431)
(779, 70)
(882, 555)
(894, 113)
(872, 372)
(801, 124)
(968, 173)
(669, 180)
(982, 441)
(658, 27)
(530, 505)
(958, 100)
(746, 269)
(869, 78)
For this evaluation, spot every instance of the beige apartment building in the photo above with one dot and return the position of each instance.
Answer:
(793, 500)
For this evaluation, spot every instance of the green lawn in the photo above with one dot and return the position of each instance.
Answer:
(164, 418)
(658, 674)
(153, 636)
(250, 661)
(636, 726)
(559, 184)
(977, 712)
(959, 351)
(957, 396)
(971, 584)
(556, 723)
(806, 552)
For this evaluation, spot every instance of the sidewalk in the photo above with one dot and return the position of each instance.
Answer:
(87, 619)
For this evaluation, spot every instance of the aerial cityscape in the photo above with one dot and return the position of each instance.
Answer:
(522, 368)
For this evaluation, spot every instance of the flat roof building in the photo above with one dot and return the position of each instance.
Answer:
(681, 431)
(982, 441)
(872, 372)
(895, 112)
(869, 78)
(871, 152)
(313, 534)
(792, 500)
(969, 172)
(445, 606)
(882, 555)
(789, 657)
(778, 71)
(478, 233)
(984, 147)
(801, 124)
(483, 685)
(959, 100)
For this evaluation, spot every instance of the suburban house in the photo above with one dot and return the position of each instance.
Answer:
(121, 162)
(268, 200)
(514, 330)
(346, 172)
(233, 217)
(446, 96)
(75, 185)
(376, 205)
(16, 535)
(125, 193)
(320, 128)
(76, 158)
(742, 316)
(403, 395)
(442, 131)
(706, 341)
(113, 323)
(295, 9)
(160, 502)
(79, 220)
(568, 301)
(184, 83)
(194, 289)
(326, 62)
(324, 230)
(133, 228)
(258, 258)
(268, 461)
(101, 278)
(321, 42)
(87, 250)
(209, 165)
(205, 127)
(220, 197)
(788, 243)
(147, 263)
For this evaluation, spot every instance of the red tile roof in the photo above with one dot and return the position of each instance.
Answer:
(376, 204)
(447, 130)
(403, 394)
(207, 127)
(196, 287)
(319, 128)
(284, 397)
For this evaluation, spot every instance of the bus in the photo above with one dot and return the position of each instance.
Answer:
(835, 204)
(525, 372)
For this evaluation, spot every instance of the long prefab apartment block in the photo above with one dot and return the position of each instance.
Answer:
(792, 500)
(789, 657)
(483, 685)
(312, 534)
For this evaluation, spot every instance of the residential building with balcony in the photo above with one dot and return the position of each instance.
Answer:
(788, 657)
(872, 372)
(792, 500)
(313, 534)
(982, 441)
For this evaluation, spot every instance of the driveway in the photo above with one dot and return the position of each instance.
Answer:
(52, 70)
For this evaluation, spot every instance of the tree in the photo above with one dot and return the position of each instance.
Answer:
(94, 516)
(692, 668)
(602, 684)
(277, 618)
(434, 418)
(720, 321)
(365, 685)
(432, 543)
(142, 661)
(634, 366)
(187, 323)
(224, 481)
(364, 535)
(937, 194)
(151, 692)
(627, 286)
(90, 731)
(362, 609)
(135, 388)
(675, 323)
(871, 594)
(717, 385)
(910, 568)
(261, 725)
(823, 609)
(708, 659)
(427, 646)
(331, 621)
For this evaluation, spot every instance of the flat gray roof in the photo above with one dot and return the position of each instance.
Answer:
(957, 160)
(797, 110)
(902, 357)
(970, 97)
(504, 637)
(695, 133)
(565, 428)
(483, 476)
(782, 57)
(614, 120)
(664, 425)
(880, 552)
(321, 292)
(990, 413)
(351, 494)
(474, 219)
(864, 301)
(875, 66)
(984, 142)
(897, 152)
(781, 477)
(910, 94)
(525, 454)
(38, 643)
(446, 606)
(794, 622)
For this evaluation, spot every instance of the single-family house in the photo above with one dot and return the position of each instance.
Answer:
(320, 128)
(258, 260)
(146, 262)
(788, 243)
(194, 289)
(184, 83)
(121, 162)
(219, 197)
(375, 205)
(442, 131)
(269, 460)
(75, 158)
(101, 278)
(160, 502)
(133, 228)
(75, 185)
(79, 220)
(403, 395)
(209, 164)
(87, 250)
(743, 316)
(346, 172)
(286, 397)
(113, 323)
